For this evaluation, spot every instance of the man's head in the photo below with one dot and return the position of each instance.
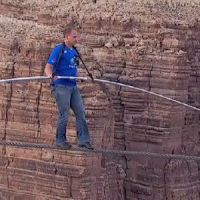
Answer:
(71, 36)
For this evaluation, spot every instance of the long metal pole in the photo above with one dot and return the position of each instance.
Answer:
(43, 78)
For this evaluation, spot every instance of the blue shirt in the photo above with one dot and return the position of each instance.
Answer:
(67, 65)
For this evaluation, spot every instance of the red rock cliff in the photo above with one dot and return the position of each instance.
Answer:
(154, 46)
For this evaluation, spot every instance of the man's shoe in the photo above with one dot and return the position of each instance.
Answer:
(65, 146)
(86, 146)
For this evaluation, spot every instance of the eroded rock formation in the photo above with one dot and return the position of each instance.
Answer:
(154, 46)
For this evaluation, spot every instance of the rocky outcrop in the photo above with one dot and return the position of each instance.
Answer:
(154, 46)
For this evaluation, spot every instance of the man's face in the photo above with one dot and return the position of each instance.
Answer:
(73, 37)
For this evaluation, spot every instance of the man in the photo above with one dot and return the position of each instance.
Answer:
(63, 61)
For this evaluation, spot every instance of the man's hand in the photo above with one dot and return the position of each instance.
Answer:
(49, 73)
(54, 77)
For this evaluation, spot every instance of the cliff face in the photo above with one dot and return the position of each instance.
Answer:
(154, 46)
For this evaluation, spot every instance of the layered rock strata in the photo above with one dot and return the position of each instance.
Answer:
(153, 46)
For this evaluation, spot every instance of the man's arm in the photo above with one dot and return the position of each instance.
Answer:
(48, 70)
(53, 59)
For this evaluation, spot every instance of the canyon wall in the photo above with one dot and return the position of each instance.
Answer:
(147, 44)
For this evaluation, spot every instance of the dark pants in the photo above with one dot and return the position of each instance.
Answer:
(69, 97)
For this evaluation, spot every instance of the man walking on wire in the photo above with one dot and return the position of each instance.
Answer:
(64, 61)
